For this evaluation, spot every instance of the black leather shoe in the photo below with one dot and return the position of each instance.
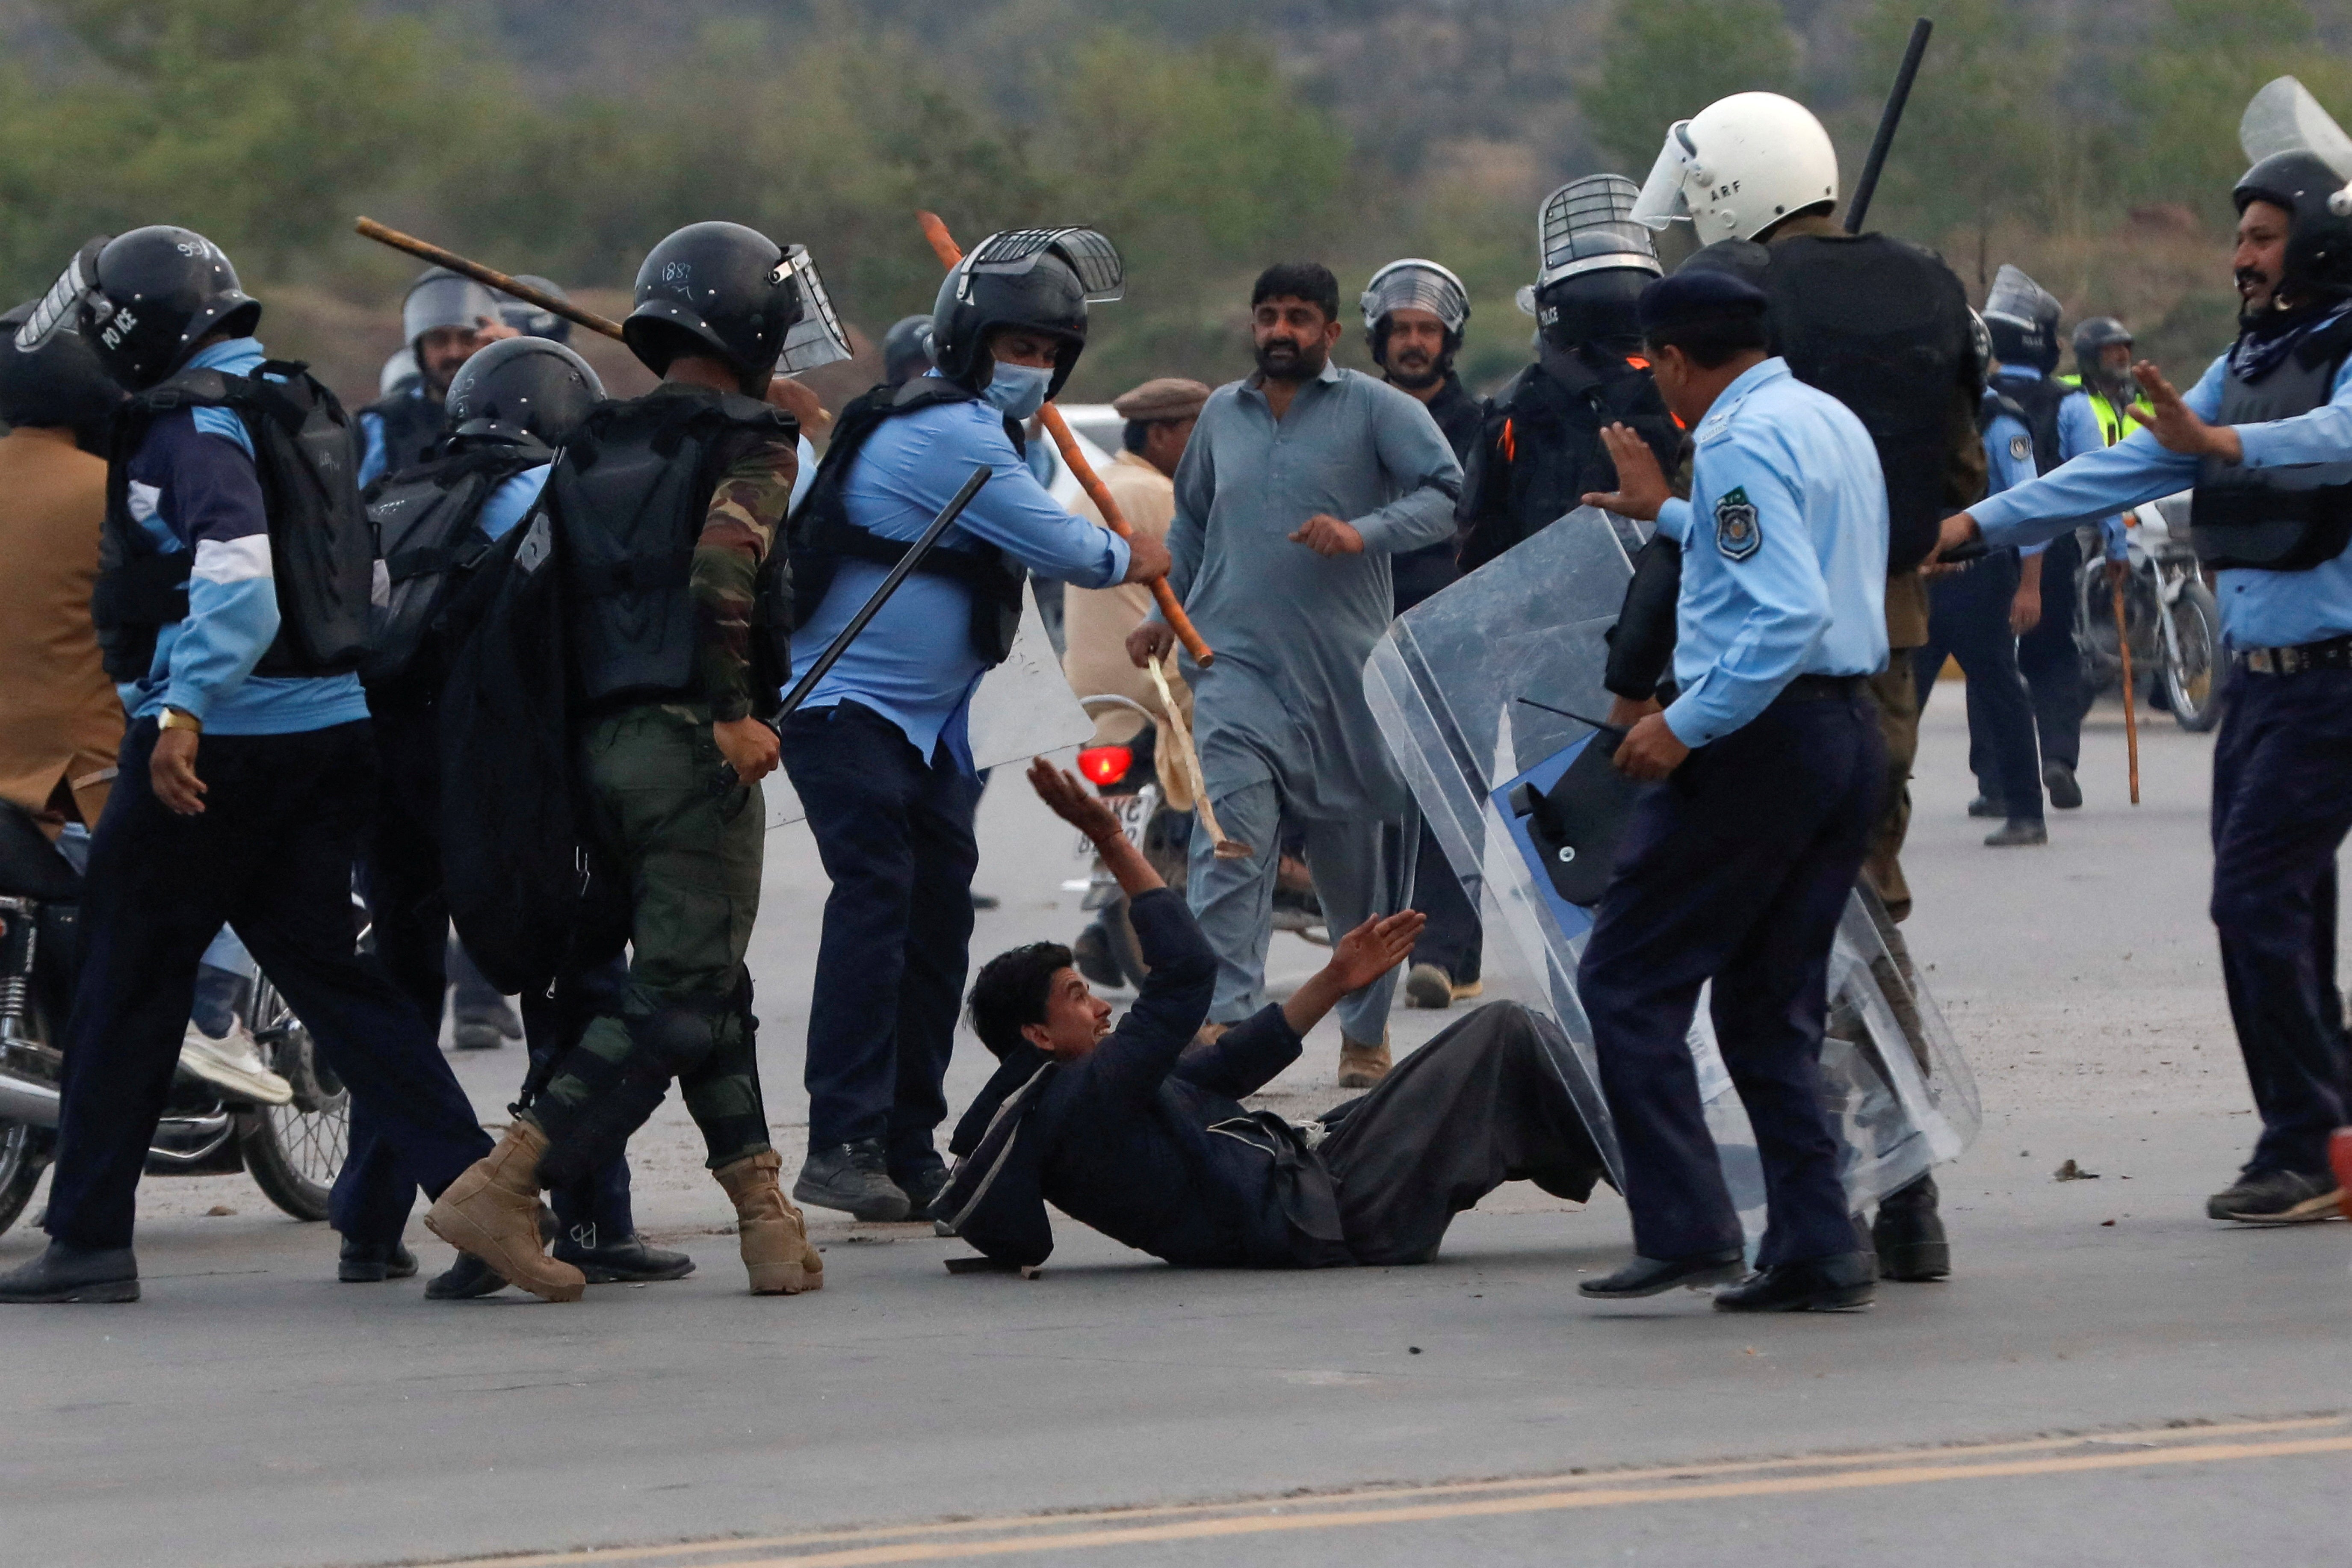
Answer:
(463, 1281)
(851, 1177)
(1985, 805)
(922, 1188)
(1842, 1284)
(629, 1260)
(373, 1262)
(2065, 790)
(1908, 1235)
(63, 1273)
(1652, 1276)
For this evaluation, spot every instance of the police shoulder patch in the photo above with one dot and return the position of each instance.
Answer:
(1738, 531)
(2020, 447)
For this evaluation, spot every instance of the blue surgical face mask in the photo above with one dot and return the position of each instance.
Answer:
(1017, 391)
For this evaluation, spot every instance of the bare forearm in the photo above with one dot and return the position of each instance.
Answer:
(1126, 864)
(1311, 1001)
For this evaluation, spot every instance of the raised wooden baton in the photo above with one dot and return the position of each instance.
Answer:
(425, 250)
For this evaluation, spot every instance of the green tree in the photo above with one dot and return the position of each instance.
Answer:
(2206, 60)
(1663, 60)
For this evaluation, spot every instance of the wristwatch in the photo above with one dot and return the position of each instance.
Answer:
(174, 719)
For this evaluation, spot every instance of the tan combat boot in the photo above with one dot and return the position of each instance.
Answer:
(1362, 1066)
(769, 1231)
(491, 1211)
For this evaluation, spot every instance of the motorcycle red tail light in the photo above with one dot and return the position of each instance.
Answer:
(1104, 765)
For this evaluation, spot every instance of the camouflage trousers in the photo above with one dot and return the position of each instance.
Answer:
(686, 853)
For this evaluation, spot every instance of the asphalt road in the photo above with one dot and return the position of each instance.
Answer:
(2108, 1378)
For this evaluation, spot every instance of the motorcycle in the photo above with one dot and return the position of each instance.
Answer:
(1126, 776)
(2170, 615)
(292, 1151)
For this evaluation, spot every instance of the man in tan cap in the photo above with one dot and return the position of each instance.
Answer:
(1159, 415)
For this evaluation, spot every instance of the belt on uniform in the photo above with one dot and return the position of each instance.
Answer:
(1821, 689)
(2335, 653)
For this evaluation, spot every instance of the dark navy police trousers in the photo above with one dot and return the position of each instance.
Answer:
(1735, 868)
(270, 855)
(2282, 805)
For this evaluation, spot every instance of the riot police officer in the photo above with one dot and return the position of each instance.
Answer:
(1414, 314)
(2021, 318)
(880, 752)
(662, 512)
(231, 603)
(1756, 176)
(1541, 449)
(2262, 436)
(444, 318)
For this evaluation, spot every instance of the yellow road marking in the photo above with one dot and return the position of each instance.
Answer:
(1899, 1466)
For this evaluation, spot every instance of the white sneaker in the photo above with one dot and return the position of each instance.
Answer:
(232, 1062)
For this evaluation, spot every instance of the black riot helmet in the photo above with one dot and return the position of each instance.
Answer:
(1593, 261)
(2022, 317)
(522, 390)
(2319, 241)
(1037, 279)
(729, 291)
(2092, 340)
(144, 300)
(58, 385)
(906, 350)
(531, 320)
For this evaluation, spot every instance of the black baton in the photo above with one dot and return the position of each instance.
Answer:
(1888, 118)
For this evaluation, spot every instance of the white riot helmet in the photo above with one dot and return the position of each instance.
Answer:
(1419, 285)
(1738, 167)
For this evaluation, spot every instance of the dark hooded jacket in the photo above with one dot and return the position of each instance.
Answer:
(1145, 1140)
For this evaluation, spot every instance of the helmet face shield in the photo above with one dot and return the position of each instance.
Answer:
(1013, 251)
(1588, 225)
(1660, 201)
(817, 337)
(60, 309)
(1415, 284)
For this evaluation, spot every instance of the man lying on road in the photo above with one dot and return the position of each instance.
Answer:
(1145, 1140)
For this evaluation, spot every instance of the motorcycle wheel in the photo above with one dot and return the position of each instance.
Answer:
(2193, 684)
(295, 1150)
(24, 1150)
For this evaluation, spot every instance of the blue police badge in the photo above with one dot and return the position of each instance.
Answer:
(2019, 449)
(1738, 531)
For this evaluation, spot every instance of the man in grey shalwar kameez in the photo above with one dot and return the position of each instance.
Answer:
(1300, 482)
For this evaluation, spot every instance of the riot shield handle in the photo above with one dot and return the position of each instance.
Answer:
(944, 247)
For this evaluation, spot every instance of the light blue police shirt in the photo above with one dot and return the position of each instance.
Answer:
(1784, 552)
(2259, 609)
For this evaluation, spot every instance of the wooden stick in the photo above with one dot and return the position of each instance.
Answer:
(425, 250)
(944, 245)
(1226, 849)
(2131, 721)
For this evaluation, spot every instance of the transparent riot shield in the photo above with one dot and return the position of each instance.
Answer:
(1455, 687)
(1024, 709)
(2285, 117)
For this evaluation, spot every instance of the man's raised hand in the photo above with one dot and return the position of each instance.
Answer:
(1072, 801)
(1641, 489)
(1374, 948)
(2177, 426)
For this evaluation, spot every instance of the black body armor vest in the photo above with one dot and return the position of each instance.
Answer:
(2276, 520)
(322, 557)
(2034, 400)
(823, 535)
(428, 538)
(629, 496)
(412, 426)
(1540, 452)
(1883, 327)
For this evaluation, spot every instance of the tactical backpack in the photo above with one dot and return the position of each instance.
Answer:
(821, 535)
(321, 554)
(1540, 450)
(426, 523)
(2034, 401)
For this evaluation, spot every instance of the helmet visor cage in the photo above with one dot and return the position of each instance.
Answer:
(1092, 257)
(60, 308)
(1661, 201)
(1586, 225)
(817, 338)
(1416, 285)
